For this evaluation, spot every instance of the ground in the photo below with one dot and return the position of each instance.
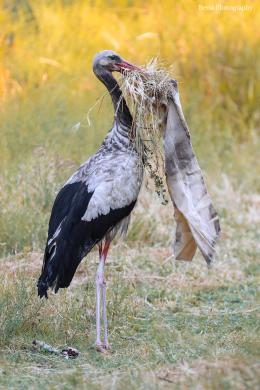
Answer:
(171, 324)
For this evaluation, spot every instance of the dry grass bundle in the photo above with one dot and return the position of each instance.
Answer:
(146, 93)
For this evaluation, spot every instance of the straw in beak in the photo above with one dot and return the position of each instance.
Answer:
(124, 65)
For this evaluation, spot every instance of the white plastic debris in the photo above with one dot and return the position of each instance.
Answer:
(196, 218)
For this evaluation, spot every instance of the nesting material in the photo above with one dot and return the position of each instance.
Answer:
(153, 99)
(147, 94)
(196, 218)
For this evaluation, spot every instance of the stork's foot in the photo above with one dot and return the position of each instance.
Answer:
(103, 348)
(107, 346)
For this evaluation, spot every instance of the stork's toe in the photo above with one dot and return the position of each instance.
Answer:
(107, 346)
(102, 348)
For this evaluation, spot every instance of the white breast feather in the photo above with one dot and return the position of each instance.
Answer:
(114, 187)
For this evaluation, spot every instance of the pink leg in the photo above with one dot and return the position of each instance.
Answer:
(98, 296)
(100, 249)
(101, 285)
(104, 297)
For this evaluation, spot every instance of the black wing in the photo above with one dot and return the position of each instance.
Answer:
(70, 238)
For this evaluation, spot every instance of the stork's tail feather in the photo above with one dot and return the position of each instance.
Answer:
(59, 266)
(42, 289)
(49, 271)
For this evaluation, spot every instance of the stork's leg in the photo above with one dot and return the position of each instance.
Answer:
(104, 288)
(104, 297)
(98, 296)
(101, 285)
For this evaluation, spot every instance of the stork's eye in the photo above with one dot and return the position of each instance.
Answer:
(114, 58)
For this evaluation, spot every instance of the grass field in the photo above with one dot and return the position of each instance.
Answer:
(171, 325)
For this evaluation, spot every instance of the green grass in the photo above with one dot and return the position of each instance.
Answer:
(170, 324)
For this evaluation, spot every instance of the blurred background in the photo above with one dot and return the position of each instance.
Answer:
(170, 323)
(47, 87)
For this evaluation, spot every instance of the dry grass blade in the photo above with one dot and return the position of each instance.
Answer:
(147, 93)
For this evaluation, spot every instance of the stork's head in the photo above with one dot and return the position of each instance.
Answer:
(111, 61)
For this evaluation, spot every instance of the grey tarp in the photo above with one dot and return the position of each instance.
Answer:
(196, 218)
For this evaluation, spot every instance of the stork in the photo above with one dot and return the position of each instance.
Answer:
(95, 204)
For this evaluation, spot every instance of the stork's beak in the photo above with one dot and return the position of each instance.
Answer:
(124, 65)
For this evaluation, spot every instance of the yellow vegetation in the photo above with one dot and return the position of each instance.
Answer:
(47, 87)
(43, 41)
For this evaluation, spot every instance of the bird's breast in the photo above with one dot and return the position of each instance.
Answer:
(115, 184)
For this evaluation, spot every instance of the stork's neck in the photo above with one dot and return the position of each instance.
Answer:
(122, 113)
